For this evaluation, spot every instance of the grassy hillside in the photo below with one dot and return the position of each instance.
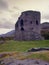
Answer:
(22, 46)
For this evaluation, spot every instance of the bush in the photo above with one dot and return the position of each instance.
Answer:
(45, 34)
(6, 38)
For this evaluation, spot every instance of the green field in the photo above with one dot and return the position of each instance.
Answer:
(22, 46)
(16, 49)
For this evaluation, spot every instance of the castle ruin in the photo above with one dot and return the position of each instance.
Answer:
(27, 26)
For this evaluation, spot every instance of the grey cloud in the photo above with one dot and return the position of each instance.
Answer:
(6, 24)
(3, 4)
(18, 8)
(15, 8)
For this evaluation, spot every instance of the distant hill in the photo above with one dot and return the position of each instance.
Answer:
(9, 34)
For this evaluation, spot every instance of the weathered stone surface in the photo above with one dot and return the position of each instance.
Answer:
(23, 62)
(28, 26)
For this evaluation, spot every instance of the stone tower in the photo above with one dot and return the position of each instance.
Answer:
(28, 26)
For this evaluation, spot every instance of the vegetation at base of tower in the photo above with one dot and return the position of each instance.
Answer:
(45, 34)
(22, 46)
(6, 38)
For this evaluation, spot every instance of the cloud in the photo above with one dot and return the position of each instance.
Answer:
(3, 5)
(6, 24)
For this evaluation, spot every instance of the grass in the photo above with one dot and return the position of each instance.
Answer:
(22, 46)
(41, 55)
(21, 56)
(19, 47)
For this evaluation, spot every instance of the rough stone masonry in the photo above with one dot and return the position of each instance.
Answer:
(27, 26)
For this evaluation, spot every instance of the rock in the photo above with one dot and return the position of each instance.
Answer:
(37, 49)
(24, 62)
(36, 62)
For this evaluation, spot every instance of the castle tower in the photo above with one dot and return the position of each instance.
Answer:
(28, 26)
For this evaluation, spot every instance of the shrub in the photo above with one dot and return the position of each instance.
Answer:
(45, 34)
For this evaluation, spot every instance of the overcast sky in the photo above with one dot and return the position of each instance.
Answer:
(11, 9)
